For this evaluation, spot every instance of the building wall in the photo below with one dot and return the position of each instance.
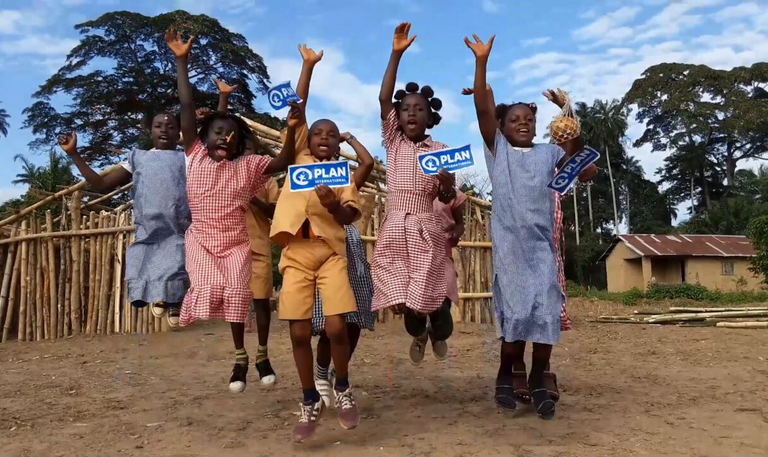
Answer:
(708, 271)
(623, 268)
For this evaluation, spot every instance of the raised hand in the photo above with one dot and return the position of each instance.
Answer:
(480, 49)
(555, 96)
(446, 180)
(345, 137)
(224, 88)
(308, 55)
(295, 115)
(401, 41)
(179, 47)
(327, 197)
(202, 112)
(69, 143)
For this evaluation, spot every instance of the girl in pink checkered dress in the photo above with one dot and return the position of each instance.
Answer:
(221, 181)
(408, 268)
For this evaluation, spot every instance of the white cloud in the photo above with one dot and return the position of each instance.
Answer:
(19, 21)
(491, 6)
(535, 41)
(603, 25)
(737, 11)
(589, 14)
(414, 48)
(44, 45)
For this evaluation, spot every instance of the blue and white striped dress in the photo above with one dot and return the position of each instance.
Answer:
(359, 272)
(527, 294)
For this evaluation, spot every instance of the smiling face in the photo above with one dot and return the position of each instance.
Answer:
(413, 116)
(519, 126)
(164, 132)
(324, 139)
(222, 139)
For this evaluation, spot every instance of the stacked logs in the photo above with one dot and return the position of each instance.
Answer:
(754, 318)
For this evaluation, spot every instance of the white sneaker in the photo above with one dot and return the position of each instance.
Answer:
(326, 391)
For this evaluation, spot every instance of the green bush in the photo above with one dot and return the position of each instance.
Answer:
(669, 292)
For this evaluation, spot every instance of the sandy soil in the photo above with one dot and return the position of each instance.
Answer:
(626, 390)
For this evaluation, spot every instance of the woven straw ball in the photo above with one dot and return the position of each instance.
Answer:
(563, 129)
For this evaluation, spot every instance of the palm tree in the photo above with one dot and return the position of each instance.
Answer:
(31, 174)
(605, 126)
(4, 125)
(46, 178)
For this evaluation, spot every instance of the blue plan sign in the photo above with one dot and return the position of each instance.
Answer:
(281, 94)
(452, 159)
(567, 175)
(307, 177)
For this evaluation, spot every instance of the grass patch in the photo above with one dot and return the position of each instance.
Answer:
(670, 292)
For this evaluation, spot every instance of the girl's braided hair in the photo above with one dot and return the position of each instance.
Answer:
(434, 104)
(503, 109)
(243, 131)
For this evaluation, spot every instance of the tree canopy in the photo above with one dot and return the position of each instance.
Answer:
(4, 125)
(122, 71)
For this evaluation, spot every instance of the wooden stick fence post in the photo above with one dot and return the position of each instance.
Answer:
(22, 329)
(39, 286)
(91, 274)
(118, 277)
(75, 295)
(5, 289)
(12, 296)
(54, 312)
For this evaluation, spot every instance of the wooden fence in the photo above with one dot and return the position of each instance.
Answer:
(63, 276)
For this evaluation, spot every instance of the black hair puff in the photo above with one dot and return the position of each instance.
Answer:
(148, 118)
(434, 104)
(243, 131)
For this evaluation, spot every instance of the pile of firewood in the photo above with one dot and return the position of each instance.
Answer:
(695, 317)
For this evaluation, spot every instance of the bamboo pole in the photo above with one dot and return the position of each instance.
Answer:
(39, 287)
(105, 283)
(712, 310)
(9, 261)
(91, 274)
(118, 283)
(30, 318)
(68, 234)
(694, 316)
(9, 312)
(75, 211)
(68, 291)
(22, 328)
(62, 291)
(54, 312)
(83, 297)
(46, 290)
(110, 282)
(750, 325)
(104, 197)
(51, 199)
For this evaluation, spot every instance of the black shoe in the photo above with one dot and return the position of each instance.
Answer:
(238, 379)
(267, 375)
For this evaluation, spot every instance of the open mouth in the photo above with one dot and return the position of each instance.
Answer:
(163, 138)
(523, 131)
(411, 122)
(323, 147)
(221, 150)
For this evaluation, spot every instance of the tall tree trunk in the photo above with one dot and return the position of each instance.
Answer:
(613, 193)
(693, 200)
(589, 200)
(576, 211)
(629, 209)
(705, 189)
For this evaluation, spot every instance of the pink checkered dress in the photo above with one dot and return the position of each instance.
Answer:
(559, 240)
(217, 245)
(409, 259)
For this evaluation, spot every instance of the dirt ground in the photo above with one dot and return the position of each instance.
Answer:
(626, 390)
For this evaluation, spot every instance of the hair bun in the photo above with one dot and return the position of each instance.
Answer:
(411, 87)
(436, 118)
(400, 94)
(435, 103)
(427, 92)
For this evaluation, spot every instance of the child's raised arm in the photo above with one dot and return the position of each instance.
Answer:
(400, 43)
(111, 181)
(309, 59)
(288, 153)
(225, 90)
(364, 160)
(485, 113)
(180, 49)
(573, 145)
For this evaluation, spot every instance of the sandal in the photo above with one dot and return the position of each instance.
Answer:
(520, 386)
(550, 382)
(543, 403)
(505, 394)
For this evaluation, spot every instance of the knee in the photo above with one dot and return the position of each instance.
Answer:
(301, 333)
(336, 329)
(261, 305)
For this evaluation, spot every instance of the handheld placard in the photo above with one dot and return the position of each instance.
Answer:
(571, 169)
(451, 159)
(307, 177)
(280, 95)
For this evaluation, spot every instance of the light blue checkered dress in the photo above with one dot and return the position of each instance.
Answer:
(360, 279)
(527, 294)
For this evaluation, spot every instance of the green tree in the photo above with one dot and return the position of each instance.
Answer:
(4, 125)
(710, 120)
(757, 231)
(121, 72)
(49, 178)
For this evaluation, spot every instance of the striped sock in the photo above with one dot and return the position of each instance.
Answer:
(322, 373)
(241, 357)
(261, 354)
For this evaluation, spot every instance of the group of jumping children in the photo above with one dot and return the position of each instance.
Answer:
(205, 215)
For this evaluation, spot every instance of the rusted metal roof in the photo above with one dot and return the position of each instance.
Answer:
(685, 245)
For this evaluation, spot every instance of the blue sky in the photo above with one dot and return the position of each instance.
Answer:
(594, 49)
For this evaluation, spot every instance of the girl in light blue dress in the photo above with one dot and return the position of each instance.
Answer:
(527, 292)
